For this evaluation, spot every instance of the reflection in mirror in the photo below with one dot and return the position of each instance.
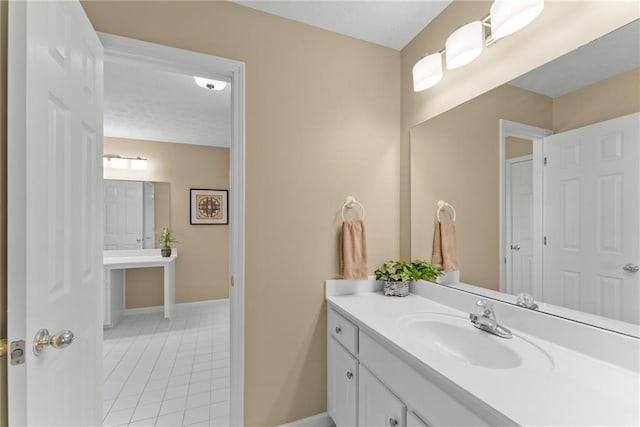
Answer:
(133, 210)
(567, 232)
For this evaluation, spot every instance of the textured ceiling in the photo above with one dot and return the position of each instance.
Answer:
(610, 55)
(142, 103)
(388, 23)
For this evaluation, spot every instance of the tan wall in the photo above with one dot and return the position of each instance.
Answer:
(517, 147)
(608, 99)
(454, 157)
(202, 266)
(323, 115)
(562, 26)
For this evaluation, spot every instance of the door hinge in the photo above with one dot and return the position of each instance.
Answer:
(544, 240)
(505, 260)
(232, 281)
(545, 161)
(3, 347)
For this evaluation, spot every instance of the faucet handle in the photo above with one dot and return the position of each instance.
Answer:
(485, 308)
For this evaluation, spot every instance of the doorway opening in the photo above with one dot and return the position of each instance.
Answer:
(127, 52)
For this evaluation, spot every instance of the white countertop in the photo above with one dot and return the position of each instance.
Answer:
(569, 389)
(137, 258)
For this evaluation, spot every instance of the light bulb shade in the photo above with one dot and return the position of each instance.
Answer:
(509, 16)
(464, 45)
(119, 163)
(209, 83)
(138, 164)
(427, 72)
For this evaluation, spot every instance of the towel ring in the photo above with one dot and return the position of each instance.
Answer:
(442, 205)
(349, 203)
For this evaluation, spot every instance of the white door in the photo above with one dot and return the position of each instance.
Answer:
(55, 207)
(591, 218)
(123, 221)
(520, 226)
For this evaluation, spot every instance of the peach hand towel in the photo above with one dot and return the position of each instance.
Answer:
(445, 246)
(353, 250)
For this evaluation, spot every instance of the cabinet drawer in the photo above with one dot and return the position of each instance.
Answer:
(345, 332)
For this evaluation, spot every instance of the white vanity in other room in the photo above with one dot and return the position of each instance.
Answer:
(117, 262)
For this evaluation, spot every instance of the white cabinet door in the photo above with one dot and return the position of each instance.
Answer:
(55, 207)
(591, 219)
(377, 406)
(342, 380)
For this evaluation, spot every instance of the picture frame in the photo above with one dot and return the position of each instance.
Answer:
(209, 207)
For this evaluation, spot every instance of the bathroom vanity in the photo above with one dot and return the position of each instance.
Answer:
(116, 264)
(418, 361)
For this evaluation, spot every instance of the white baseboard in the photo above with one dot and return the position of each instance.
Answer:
(320, 420)
(180, 306)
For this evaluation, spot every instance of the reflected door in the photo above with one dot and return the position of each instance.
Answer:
(123, 228)
(520, 217)
(591, 185)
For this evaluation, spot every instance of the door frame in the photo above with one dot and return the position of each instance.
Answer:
(130, 51)
(508, 261)
(509, 128)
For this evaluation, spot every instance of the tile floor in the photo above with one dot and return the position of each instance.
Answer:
(168, 372)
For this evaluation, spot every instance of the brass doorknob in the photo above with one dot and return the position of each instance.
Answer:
(43, 339)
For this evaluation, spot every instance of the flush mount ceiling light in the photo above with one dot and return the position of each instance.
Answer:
(467, 42)
(464, 45)
(509, 16)
(210, 84)
(427, 72)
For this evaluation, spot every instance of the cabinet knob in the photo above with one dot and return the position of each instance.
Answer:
(349, 375)
(338, 329)
(393, 422)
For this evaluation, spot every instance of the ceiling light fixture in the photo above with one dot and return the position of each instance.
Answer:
(467, 42)
(509, 16)
(115, 161)
(464, 45)
(427, 72)
(210, 84)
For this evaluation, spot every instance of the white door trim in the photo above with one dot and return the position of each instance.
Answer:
(520, 130)
(125, 50)
(508, 218)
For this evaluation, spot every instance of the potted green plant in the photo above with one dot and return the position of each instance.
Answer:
(165, 242)
(424, 270)
(396, 276)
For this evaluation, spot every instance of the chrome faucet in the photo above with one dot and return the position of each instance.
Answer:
(485, 319)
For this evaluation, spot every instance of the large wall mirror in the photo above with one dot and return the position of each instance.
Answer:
(134, 211)
(543, 173)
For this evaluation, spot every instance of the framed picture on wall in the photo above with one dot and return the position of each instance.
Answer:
(209, 207)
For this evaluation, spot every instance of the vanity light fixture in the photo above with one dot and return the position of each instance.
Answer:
(210, 84)
(118, 162)
(464, 45)
(467, 42)
(427, 72)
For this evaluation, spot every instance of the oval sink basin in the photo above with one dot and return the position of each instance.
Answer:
(455, 338)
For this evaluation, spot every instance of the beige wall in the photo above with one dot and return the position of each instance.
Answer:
(517, 147)
(562, 26)
(202, 266)
(614, 97)
(323, 115)
(454, 157)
